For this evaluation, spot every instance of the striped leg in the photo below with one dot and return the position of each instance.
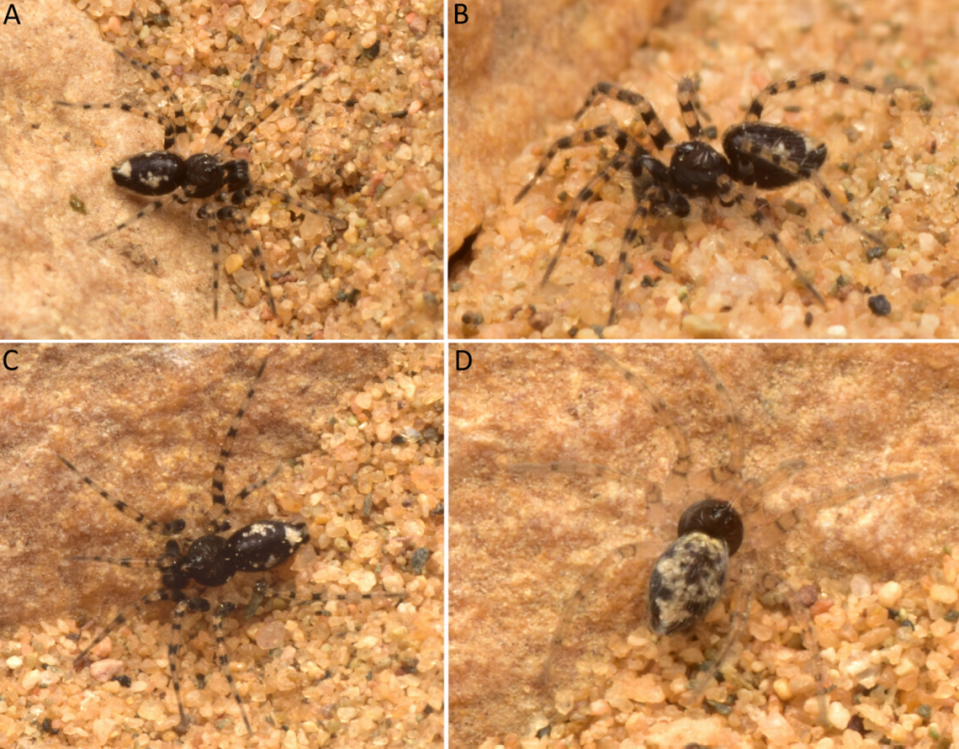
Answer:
(630, 238)
(165, 529)
(729, 196)
(223, 658)
(621, 138)
(173, 649)
(653, 125)
(153, 205)
(164, 594)
(288, 199)
(223, 121)
(691, 110)
(755, 111)
(219, 470)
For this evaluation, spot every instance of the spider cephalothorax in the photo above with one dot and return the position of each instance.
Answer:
(754, 154)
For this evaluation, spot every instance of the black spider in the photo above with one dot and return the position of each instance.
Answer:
(210, 561)
(202, 176)
(755, 154)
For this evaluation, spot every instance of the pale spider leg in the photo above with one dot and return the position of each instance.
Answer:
(269, 109)
(734, 425)
(773, 531)
(787, 164)
(643, 550)
(755, 111)
(691, 110)
(163, 529)
(219, 470)
(164, 594)
(173, 648)
(153, 205)
(730, 196)
(621, 138)
(583, 197)
(290, 200)
(209, 211)
(748, 499)
(811, 644)
(653, 125)
(223, 658)
(679, 472)
(226, 116)
(739, 619)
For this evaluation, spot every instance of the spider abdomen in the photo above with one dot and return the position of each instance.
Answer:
(151, 173)
(686, 582)
(265, 544)
(771, 156)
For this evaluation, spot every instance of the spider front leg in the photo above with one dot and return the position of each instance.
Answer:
(652, 124)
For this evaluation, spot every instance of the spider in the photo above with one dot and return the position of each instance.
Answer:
(755, 155)
(170, 177)
(722, 537)
(210, 560)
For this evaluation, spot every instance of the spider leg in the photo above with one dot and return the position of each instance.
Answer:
(153, 205)
(772, 532)
(646, 550)
(679, 472)
(739, 617)
(790, 165)
(232, 212)
(583, 197)
(737, 450)
(755, 111)
(263, 590)
(173, 648)
(128, 562)
(223, 658)
(691, 110)
(223, 121)
(653, 125)
(730, 196)
(169, 128)
(801, 615)
(269, 109)
(219, 470)
(163, 594)
(164, 529)
(582, 137)
(211, 225)
(179, 118)
(288, 199)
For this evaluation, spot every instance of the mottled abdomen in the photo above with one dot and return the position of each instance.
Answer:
(686, 582)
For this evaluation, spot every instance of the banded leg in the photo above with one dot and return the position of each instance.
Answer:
(223, 121)
(691, 110)
(583, 197)
(169, 129)
(164, 594)
(179, 118)
(236, 215)
(679, 473)
(269, 109)
(163, 529)
(653, 125)
(621, 138)
(787, 164)
(153, 205)
(755, 111)
(288, 199)
(630, 237)
(729, 196)
(219, 470)
(173, 649)
(223, 658)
